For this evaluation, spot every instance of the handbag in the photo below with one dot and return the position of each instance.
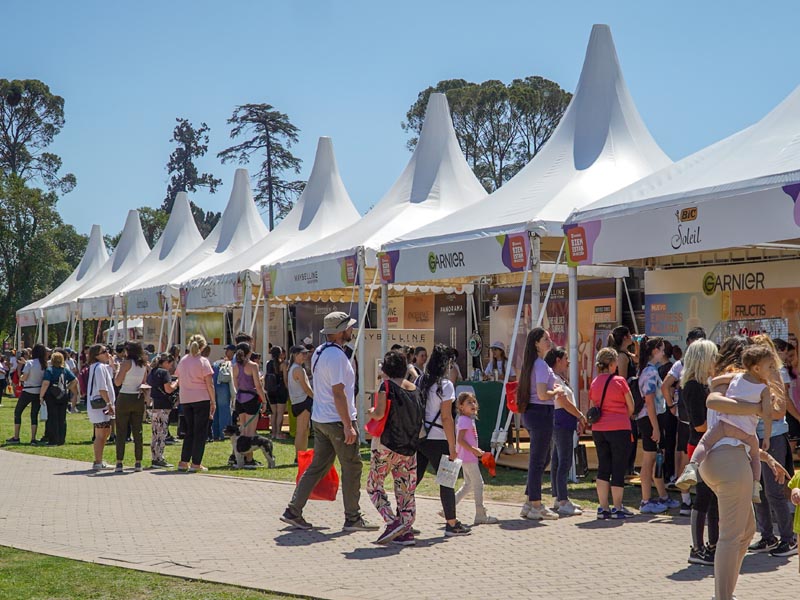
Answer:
(375, 427)
(511, 397)
(594, 412)
(95, 402)
(327, 487)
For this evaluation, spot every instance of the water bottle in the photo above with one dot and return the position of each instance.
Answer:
(659, 474)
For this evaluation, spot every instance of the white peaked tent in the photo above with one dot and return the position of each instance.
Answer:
(238, 229)
(178, 240)
(323, 208)
(742, 191)
(436, 182)
(600, 145)
(128, 255)
(93, 259)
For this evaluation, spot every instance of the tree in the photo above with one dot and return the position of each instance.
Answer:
(499, 127)
(30, 118)
(184, 177)
(37, 251)
(271, 134)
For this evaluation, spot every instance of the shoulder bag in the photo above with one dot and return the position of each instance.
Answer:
(594, 412)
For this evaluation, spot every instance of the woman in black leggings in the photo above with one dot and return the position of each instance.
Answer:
(31, 377)
(698, 365)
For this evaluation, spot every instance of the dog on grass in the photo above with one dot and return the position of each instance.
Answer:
(242, 444)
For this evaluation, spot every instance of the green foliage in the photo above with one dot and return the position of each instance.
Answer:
(192, 143)
(37, 251)
(30, 118)
(271, 135)
(499, 127)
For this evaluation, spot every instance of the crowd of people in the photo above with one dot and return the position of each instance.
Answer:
(706, 419)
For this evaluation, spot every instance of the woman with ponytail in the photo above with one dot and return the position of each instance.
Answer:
(198, 401)
(620, 340)
(250, 398)
(535, 395)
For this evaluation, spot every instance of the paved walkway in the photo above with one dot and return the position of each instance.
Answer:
(227, 530)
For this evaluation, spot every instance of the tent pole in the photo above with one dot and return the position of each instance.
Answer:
(384, 319)
(359, 345)
(618, 295)
(467, 355)
(265, 331)
(572, 327)
(499, 435)
(44, 332)
(543, 310)
(79, 349)
(255, 310)
(125, 325)
(247, 292)
(536, 283)
(475, 325)
(630, 306)
(161, 330)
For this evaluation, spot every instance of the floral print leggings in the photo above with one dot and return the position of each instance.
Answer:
(404, 472)
(159, 423)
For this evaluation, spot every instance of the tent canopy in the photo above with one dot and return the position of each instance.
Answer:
(323, 208)
(238, 229)
(436, 182)
(178, 240)
(741, 191)
(128, 255)
(93, 259)
(600, 145)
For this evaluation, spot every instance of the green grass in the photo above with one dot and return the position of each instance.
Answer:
(38, 576)
(507, 486)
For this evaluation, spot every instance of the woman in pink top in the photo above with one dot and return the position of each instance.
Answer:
(196, 381)
(611, 433)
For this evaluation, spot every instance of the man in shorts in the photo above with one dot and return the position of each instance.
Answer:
(333, 417)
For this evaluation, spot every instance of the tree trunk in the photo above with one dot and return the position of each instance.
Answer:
(270, 202)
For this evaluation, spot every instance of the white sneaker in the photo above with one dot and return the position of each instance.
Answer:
(688, 478)
(482, 518)
(541, 514)
(569, 509)
(526, 508)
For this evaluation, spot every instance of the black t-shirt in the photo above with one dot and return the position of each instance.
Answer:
(694, 394)
(156, 380)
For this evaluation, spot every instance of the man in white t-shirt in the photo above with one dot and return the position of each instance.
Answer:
(333, 417)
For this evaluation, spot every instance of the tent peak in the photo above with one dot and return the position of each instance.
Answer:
(324, 184)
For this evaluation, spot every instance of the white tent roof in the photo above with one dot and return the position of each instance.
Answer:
(436, 182)
(178, 240)
(129, 253)
(741, 190)
(600, 145)
(323, 208)
(238, 229)
(93, 259)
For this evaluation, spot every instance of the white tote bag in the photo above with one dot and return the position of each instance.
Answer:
(447, 475)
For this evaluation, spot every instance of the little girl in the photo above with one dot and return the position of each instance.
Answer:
(470, 455)
(750, 386)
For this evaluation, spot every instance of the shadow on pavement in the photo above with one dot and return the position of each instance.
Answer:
(292, 537)
(519, 524)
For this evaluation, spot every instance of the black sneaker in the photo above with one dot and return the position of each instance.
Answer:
(393, 530)
(161, 464)
(458, 529)
(359, 524)
(763, 545)
(784, 549)
(290, 518)
(700, 557)
(686, 510)
(12, 440)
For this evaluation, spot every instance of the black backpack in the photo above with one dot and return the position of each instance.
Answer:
(58, 392)
(406, 413)
(636, 393)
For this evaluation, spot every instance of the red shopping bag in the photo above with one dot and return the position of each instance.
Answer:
(327, 487)
(511, 396)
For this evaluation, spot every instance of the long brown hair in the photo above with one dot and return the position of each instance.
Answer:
(531, 354)
(646, 347)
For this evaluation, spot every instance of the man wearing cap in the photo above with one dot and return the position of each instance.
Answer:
(499, 362)
(333, 417)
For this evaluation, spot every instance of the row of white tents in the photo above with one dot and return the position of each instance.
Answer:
(601, 177)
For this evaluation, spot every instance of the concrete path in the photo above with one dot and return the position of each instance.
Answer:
(227, 530)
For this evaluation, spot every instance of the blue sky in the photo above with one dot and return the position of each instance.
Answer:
(697, 72)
